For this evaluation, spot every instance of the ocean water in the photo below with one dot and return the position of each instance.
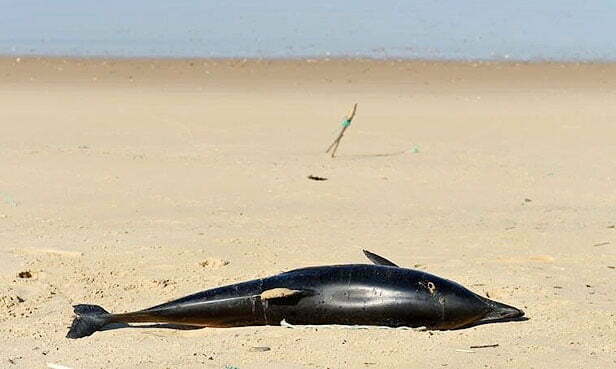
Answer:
(428, 29)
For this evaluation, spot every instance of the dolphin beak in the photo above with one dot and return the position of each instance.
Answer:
(500, 311)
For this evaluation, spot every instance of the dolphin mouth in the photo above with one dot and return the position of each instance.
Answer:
(504, 313)
(500, 312)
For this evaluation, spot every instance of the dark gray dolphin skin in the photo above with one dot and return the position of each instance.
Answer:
(355, 294)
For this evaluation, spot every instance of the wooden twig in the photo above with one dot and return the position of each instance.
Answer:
(346, 124)
(484, 346)
(602, 243)
(317, 178)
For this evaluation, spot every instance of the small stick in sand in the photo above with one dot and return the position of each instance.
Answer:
(345, 125)
(484, 346)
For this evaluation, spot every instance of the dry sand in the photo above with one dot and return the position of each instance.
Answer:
(127, 183)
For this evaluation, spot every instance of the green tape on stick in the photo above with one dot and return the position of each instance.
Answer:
(346, 123)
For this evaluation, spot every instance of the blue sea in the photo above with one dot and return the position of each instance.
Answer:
(576, 30)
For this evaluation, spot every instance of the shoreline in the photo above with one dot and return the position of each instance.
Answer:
(311, 59)
(334, 75)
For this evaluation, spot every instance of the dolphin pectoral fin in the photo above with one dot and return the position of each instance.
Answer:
(281, 293)
(378, 260)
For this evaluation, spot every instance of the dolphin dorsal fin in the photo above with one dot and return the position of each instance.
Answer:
(378, 260)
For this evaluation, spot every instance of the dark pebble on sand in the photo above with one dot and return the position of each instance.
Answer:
(25, 274)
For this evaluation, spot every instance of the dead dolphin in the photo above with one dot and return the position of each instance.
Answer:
(354, 294)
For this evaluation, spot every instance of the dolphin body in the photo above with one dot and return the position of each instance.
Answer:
(355, 294)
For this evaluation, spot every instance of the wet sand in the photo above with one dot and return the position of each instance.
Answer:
(126, 183)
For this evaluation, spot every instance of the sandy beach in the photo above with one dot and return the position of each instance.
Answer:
(126, 183)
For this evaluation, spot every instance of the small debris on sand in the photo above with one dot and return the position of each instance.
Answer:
(9, 299)
(601, 243)
(164, 282)
(57, 366)
(484, 346)
(58, 252)
(25, 274)
(260, 349)
(317, 178)
(214, 263)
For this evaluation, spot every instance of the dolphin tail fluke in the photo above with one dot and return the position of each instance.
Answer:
(89, 319)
